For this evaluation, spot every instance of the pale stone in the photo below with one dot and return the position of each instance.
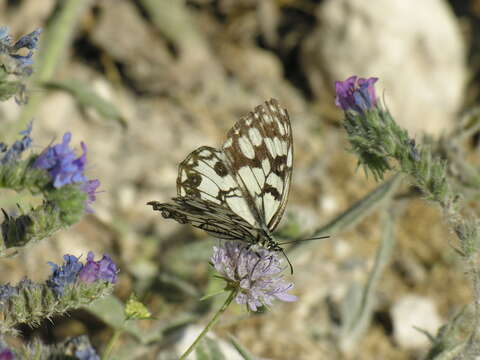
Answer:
(409, 313)
(414, 47)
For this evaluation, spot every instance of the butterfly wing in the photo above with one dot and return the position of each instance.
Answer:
(205, 175)
(213, 218)
(236, 192)
(259, 154)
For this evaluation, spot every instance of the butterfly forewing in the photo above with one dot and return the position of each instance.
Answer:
(259, 150)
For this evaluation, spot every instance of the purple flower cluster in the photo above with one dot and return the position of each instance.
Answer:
(65, 168)
(255, 274)
(104, 269)
(13, 153)
(356, 94)
(6, 354)
(86, 354)
(72, 271)
(29, 41)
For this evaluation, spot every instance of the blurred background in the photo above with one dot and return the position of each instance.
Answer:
(145, 82)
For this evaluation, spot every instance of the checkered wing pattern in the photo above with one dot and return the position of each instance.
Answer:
(259, 150)
(215, 219)
(240, 190)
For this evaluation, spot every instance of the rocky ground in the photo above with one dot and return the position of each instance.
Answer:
(180, 74)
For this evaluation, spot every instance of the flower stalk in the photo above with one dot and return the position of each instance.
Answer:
(211, 323)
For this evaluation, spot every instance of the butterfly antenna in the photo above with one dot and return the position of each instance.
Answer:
(299, 240)
(288, 260)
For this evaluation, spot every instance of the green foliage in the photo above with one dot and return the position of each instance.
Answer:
(36, 302)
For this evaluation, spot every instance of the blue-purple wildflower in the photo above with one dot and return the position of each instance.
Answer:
(73, 270)
(87, 353)
(356, 94)
(62, 164)
(65, 168)
(13, 153)
(6, 354)
(256, 274)
(104, 269)
(29, 41)
(65, 274)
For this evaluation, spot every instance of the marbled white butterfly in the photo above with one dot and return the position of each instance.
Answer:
(238, 192)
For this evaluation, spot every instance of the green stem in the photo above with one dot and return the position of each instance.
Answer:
(212, 322)
(354, 214)
(111, 343)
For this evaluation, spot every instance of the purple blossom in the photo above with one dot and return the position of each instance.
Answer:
(357, 95)
(60, 162)
(73, 270)
(255, 274)
(65, 274)
(65, 168)
(6, 354)
(87, 353)
(104, 269)
(23, 63)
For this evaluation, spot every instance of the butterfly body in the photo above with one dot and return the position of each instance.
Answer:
(238, 192)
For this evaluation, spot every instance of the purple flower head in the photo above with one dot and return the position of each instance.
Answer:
(60, 162)
(104, 269)
(65, 274)
(87, 353)
(357, 95)
(23, 63)
(6, 354)
(29, 41)
(256, 274)
(18, 147)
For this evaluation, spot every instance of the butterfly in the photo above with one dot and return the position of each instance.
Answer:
(240, 191)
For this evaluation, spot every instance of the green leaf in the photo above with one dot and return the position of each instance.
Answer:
(86, 97)
(134, 309)
(241, 350)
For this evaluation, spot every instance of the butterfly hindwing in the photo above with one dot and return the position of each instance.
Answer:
(205, 174)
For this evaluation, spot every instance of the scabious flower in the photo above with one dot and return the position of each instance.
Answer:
(357, 94)
(65, 168)
(13, 153)
(65, 274)
(255, 274)
(104, 269)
